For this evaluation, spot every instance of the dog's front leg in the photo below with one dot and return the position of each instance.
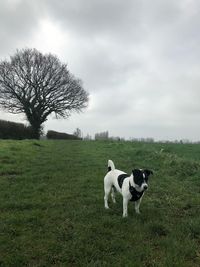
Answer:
(137, 206)
(125, 207)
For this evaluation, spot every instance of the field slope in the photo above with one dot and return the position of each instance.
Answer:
(52, 213)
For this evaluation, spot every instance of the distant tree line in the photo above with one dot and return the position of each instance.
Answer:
(105, 136)
(19, 131)
(101, 136)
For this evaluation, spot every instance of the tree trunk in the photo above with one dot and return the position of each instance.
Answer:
(36, 130)
(36, 133)
(35, 123)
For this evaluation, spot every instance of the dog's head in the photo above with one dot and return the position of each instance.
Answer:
(140, 179)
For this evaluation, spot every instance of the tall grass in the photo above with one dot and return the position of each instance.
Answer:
(52, 213)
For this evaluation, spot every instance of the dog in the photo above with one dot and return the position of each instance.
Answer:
(131, 187)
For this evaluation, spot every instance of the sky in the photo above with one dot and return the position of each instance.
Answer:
(139, 61)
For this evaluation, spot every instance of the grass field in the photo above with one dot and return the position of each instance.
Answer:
(52, 212)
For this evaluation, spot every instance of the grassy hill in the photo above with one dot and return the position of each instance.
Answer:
(52, 211)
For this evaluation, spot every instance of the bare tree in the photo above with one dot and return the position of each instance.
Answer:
(78, 133)
(37, 85)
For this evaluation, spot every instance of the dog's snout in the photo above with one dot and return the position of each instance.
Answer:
(145, 187)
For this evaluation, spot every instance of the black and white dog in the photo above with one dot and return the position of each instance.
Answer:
(132, 187)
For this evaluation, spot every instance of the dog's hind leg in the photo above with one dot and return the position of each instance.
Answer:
(107, 192)
(107, 188)
(113, 194)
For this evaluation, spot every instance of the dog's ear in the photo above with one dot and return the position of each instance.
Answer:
(148, 172)
(136, 172)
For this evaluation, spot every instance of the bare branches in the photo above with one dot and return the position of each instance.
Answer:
(38, 85)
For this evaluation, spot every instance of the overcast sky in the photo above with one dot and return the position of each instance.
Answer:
(138, 59)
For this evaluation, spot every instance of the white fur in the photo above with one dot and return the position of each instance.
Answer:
(110, 180)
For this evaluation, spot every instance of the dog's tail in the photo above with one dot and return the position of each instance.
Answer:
(111, 165)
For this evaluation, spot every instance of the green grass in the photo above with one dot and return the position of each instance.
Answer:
(52, 211)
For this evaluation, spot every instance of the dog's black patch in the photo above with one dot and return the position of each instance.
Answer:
(121, 178)
(141, 176)
(148, 172)
(138, 177)
(135, 194)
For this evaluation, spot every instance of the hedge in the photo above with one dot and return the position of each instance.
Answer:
(57, 135)
(13, 130)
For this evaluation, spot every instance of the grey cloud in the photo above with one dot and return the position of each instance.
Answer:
(18, 20)
(98, 18)
(104, 69)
